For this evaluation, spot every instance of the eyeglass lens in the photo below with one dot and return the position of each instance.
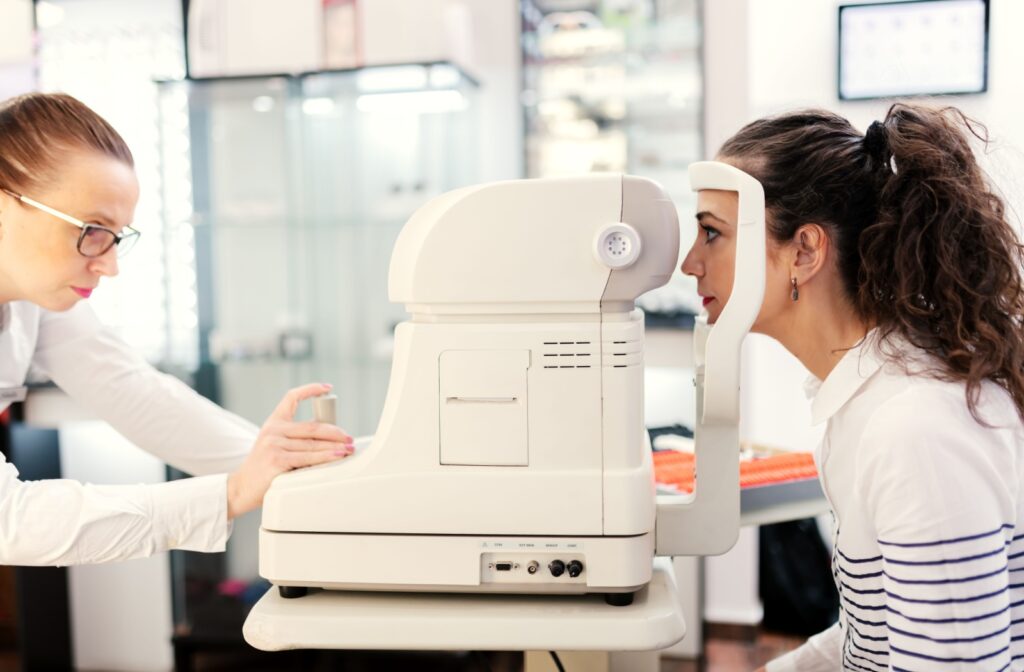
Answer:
(96, 240)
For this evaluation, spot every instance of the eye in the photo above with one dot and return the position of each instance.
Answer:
(97, 231)
(710, 232)
(96, 239)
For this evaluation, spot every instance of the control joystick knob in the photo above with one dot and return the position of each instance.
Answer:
(325, 409)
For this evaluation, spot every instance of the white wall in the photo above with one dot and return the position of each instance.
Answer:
(15, 31)
(726, 70)
(16, 74)
(496, 62)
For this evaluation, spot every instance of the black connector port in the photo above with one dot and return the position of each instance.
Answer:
(503, 566)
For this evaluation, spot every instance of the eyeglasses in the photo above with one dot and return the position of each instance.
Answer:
(95, 239)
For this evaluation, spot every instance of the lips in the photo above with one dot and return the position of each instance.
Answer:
(83, 292)
(708, 299)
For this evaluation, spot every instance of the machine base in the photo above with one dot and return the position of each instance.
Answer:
(463, 622)
(456, 564)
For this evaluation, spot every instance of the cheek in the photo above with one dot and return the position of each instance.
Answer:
(53, 257)
(776, 296)
(773, 303)
(722, 268)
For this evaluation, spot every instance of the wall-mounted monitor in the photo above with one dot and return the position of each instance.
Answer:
(920, 47)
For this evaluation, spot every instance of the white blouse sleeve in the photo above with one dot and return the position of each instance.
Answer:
(941, 491)
(155, 411)
(63, 522)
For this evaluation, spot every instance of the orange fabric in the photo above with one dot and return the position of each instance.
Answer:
(676, 469)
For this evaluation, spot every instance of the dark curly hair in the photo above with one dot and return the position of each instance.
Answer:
(924, 247)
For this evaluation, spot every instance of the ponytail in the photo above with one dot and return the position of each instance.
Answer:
(941, 266)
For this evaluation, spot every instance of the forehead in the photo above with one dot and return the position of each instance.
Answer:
(88, 184)
(721, 204)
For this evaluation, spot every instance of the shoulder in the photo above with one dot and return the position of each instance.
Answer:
(916, 404)
(926, 427)
(19, 314)
(925, 466)
(21, 320)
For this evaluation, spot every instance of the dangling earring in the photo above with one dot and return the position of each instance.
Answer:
(796, 292)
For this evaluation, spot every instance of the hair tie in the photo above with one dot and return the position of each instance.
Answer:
(875, 141)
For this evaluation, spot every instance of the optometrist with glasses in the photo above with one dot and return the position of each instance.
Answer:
(67, 197)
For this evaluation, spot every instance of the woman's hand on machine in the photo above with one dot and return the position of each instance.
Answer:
(283, 445)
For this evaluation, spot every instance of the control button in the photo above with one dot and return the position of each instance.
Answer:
(556, 567)
(575, 568)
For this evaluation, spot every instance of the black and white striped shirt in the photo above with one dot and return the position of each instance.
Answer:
(928, 545)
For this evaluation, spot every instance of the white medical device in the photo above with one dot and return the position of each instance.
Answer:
(511, 455)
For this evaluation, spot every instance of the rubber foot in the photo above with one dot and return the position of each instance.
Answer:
(619, 599)
(291, 592)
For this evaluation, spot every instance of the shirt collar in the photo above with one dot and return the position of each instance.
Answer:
(857, 365)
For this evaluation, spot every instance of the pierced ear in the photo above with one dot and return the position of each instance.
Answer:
(812, 248)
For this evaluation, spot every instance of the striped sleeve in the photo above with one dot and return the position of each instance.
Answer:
(940, 490)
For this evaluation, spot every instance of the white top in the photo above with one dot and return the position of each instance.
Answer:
(63, 522)
(928, 550)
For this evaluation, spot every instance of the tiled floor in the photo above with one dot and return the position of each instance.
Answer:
(722, 655)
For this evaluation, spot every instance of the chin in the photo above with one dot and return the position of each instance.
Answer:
(58, 303)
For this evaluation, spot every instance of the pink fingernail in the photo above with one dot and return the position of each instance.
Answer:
(342, 452)
(328, 386)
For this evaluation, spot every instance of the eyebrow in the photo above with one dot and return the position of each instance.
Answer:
(707, 213)
(103, 220)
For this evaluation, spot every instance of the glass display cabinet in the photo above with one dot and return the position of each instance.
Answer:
(289, 192)
(617, 85)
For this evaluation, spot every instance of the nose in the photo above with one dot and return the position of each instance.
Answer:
(692, 263)
(105, 264)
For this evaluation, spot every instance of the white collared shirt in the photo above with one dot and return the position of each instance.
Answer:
(64, 522)
(928, 544)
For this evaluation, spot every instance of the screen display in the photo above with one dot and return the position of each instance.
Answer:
(913, 48)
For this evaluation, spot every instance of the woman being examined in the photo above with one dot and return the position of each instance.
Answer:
(895, 278)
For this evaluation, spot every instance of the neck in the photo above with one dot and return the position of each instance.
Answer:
(8, 289)
(6, 292)
(819, 332)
